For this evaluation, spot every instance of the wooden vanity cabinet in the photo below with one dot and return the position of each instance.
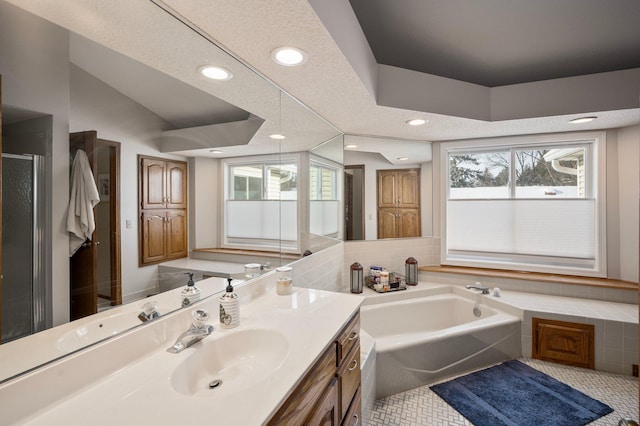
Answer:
(329, 394)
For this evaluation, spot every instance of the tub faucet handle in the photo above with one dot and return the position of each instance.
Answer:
(478, 286)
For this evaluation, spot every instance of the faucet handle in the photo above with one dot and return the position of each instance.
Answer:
(200, 318)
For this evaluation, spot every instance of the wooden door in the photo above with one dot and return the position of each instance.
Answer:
(563, 342)
(153, 176)
(84, 281)
(408, 223)
(326, 411)
(387, 223)
(408, 190)
(176, 234)
(84, 263)
(176, 185)
(398, 203)
(387, 188)
(152, 228)
(1, 211)
(348, 206)
(111, 245)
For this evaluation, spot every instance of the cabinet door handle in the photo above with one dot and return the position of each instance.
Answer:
(355, 364)
(357, 419)
(353, 336)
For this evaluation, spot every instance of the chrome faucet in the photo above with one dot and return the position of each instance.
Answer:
(198, 330)
(477, 286)
(149, 312)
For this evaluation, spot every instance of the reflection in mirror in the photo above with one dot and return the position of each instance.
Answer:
(61, 74)
(388, 188)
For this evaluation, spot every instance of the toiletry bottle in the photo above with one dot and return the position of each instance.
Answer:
(229, 308)
(190, 293)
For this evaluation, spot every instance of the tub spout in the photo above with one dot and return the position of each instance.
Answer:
(477, 286)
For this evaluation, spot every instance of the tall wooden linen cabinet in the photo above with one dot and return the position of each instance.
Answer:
(162, 210)
(398, 203)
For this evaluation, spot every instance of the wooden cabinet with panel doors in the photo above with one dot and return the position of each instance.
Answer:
(163, 210)
(398, 203)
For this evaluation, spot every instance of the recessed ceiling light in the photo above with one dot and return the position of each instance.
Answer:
(582, 120)
(215, 151)
(350, 146)
(216, 73)
(416, 122)
(289, 56)
(277, 136)
(403, 158)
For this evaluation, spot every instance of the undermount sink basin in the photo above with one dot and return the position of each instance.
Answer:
(230, 363)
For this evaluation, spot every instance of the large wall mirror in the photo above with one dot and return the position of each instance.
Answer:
(388, 188)
(130, 71)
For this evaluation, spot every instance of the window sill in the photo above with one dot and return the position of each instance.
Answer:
(533, 276)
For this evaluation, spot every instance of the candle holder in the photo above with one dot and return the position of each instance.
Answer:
(356, 278)
(411, 271)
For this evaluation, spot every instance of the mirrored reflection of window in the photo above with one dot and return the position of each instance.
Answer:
(323, 182)
(264, 181)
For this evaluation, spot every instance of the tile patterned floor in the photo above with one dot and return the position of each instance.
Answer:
(421, 406)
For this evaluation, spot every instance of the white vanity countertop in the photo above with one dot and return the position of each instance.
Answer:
(142, 393)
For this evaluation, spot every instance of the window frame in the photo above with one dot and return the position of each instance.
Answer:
(318, 189)
(596, 182)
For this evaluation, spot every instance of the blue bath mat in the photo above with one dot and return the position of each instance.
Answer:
(514, 394)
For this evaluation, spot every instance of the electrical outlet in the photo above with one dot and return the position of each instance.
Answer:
(634, 370)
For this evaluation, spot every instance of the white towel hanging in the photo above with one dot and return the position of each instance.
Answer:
(83, 198)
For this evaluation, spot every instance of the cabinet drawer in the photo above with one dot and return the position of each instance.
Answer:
(349, 377)
(311, 388)
(354, 415)
(348, 338)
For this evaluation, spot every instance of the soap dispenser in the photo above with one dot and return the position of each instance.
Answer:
(229, 308)
(190, 293)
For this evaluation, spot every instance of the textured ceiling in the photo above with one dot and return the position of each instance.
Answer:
(341, 80)
(336, 86)
(497, 42)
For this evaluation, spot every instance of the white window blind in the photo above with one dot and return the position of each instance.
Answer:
(563, 228)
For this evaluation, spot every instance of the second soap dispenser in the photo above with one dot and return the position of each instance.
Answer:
(190, 293)
(229, 308)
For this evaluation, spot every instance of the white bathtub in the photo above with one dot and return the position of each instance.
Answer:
(421, 340)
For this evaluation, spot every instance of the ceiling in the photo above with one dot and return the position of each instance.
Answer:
(471, 68)
(346, 83)
(497, 42)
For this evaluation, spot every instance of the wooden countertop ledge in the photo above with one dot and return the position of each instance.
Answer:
(532, 276)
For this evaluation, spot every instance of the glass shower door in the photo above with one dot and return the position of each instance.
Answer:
(22, 297)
